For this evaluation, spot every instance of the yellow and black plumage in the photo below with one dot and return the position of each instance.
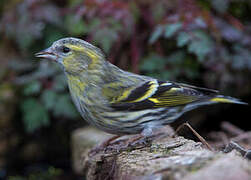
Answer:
(121, 102)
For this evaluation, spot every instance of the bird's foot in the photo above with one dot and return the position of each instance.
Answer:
(116, 145)
(103, 146)
(137, 141)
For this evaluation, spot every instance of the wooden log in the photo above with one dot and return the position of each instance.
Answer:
(165, 158)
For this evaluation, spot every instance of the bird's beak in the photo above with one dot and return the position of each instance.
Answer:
(47, 53)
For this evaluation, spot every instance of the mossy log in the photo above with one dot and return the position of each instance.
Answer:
(165, 158)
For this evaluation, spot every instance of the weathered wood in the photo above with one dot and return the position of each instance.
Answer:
(165, 158)
(83, 140)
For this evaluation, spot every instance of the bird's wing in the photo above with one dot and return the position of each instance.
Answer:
(157, 94)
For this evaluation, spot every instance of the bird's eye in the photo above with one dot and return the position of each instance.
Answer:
(65, 49)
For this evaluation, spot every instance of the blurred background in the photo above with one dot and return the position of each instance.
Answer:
(201, 42)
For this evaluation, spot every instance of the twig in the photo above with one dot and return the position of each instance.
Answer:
(246, 153)
(196, 134)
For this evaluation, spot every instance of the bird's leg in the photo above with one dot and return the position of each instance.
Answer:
(195, 133)
(103, 145)
(126, 144)
(149, 134)
(109, 141)
(139, 140)
(144, 138)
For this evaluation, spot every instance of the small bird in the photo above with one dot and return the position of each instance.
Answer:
(120, 102)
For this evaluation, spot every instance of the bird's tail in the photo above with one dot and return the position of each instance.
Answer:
(227, 99)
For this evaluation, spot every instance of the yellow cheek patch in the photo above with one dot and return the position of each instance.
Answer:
(67, 62)
(92, 54)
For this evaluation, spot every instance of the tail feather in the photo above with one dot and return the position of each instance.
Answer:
(227, 99)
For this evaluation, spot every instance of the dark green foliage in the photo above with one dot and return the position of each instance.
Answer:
(51, 173)
(34, 114)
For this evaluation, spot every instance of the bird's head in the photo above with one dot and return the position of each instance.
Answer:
(75, 55)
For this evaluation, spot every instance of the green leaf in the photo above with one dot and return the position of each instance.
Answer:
(158, 12)
(52, 172)
(34, 115)
(177, 57)
(31, 88)
(24, 40)
(16, 178)
(51, 35)
(105, 37)
(94, 24)
(49, 99)
(201, 44)
(171, 29)
(65, 107)
(59, 83)
(153, 62)
(114, 24)
(59, 104)
(182, 39)
(35, 174)
(241, 59)
(74, 3)
(75, 25)
(156, 34)
(220, 6)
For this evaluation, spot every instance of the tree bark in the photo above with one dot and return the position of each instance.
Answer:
(165, 158)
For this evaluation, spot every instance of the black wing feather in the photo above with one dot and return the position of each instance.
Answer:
(164, 96)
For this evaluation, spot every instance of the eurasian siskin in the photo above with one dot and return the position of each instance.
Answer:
(121, 102)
